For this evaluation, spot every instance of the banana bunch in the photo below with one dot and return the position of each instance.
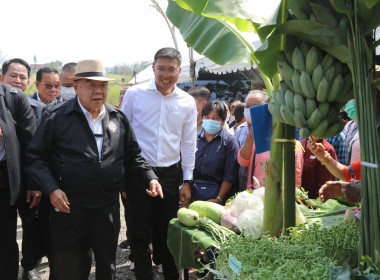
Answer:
(314, 88)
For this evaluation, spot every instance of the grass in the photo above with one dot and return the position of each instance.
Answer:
(114, 87)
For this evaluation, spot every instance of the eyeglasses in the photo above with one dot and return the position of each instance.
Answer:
(50, 86)
(163, 71)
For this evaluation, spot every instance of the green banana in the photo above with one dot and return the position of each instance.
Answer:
(280, 97)
(304, 48)
(339, 68)
(289, 99)
(310, 105)
(274, 109)
(323, 90)
(317, 76)
(304, 132)
(344, 97)
(298, 60)
(274, 97)
(299, 119)
(299, 103)
(314, 119)
(323, 109)
(346, 93)
(327, 62)
(347, 82)
(332, 116)
(296, 82)
(335, 88)
(333, 130)
(282, 86)
(307, 85)
(287, 114)
(320, 129)
(330, 75)
(311, 60)
(285, 69)
(289, 85)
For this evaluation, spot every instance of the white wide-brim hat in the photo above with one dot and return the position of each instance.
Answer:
(91, 69)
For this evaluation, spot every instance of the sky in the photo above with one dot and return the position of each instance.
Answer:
(114, 31)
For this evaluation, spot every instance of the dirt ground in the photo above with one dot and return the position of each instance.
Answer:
(122, 269)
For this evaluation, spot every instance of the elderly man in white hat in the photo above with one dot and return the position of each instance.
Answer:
(79, 155)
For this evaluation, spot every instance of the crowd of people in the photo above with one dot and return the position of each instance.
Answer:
(67, 157)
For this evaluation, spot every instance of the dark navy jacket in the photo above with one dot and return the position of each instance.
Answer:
(63, 154)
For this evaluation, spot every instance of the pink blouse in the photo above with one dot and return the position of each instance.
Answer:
(260, 160)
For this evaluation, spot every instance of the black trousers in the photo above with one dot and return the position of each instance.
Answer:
(127, 223)
(76, 235)
(33, 247)
(8, 242)
(150, 219)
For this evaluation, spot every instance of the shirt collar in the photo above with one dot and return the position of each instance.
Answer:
(86, 113)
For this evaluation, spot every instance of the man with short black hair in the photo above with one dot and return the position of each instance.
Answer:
(48, 86)
(201, 95)
(164, 120)
(65, 79)
(17, 126)
(16, 72)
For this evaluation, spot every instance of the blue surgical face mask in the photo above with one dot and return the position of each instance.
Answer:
(351, 110)
(211, 126)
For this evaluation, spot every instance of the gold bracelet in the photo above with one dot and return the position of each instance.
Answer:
(325, 158)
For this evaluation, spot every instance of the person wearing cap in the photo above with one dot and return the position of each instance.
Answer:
(79, 156)
(165, 121)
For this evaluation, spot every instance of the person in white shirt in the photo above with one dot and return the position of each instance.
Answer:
(164, 119)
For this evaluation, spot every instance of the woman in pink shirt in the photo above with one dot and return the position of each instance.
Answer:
(247, 153)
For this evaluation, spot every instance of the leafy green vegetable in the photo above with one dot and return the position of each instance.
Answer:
(305, 254)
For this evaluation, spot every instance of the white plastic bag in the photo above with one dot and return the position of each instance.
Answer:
(250, 222)
(260, 192)
(246, 201)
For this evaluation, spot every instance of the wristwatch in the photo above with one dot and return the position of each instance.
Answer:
(190, 182)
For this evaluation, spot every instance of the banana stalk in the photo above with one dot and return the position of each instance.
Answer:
(273, 218)
(369, 148)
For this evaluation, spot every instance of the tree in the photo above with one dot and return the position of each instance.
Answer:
(171, 27)
(54, 64)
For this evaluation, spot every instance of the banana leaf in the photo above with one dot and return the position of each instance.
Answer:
(183, 243)
(211, 37)
(238, 13)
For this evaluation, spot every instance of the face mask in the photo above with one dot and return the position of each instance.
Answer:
(247, 115)
(211, 126)
(228, 117)
(67, 93)
(351, 110)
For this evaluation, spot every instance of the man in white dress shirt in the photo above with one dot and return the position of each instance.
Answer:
(164, 119)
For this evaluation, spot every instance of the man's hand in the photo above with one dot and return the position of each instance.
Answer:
(155, 189)
(352, 190)
(331, 189)
(185, 195)
(1, 132)
(59, 200)
(33, 197)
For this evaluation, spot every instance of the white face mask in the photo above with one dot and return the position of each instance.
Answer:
(67, 93)
(247, 115)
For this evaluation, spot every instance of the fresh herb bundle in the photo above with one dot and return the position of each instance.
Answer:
(304, 254)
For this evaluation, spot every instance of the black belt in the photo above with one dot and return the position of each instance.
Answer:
(163, 168)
